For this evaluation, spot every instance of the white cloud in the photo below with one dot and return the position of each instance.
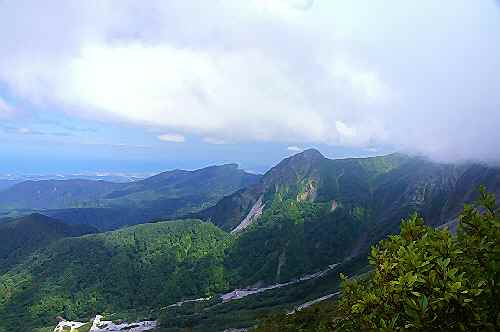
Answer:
(296, 71)
(175, 138)
(24, 131)
(212, 140)
(5, 109)
(294, 148)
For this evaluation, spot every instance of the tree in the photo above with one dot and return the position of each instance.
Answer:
(425, 279)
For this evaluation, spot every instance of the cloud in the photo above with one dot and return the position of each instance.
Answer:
(296, 71)
(212, 140)
(175, 138)
(25, 131)
(294, 148)
(5, 109)
(124, 146)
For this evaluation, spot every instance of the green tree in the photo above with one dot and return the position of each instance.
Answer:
(425, 279)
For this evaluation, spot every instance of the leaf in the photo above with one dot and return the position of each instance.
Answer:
(424, 302)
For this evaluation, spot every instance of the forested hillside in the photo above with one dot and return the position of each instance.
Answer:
(145, 266)
(22, 236)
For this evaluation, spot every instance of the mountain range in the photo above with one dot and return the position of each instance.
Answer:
(378, 190)
(233, 230)
(110, 205)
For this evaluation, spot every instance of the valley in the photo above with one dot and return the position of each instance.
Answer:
(249, 166)
(245, 247)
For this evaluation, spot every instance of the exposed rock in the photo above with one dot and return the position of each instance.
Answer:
(180, 303)
(313, 302)
(251, 217)
(99, 325)
(334, 206)
(309, 193)
(108, 326)
(65, 326)
(241, 293)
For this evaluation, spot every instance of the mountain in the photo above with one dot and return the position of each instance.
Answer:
(188, 189)
(277, 234)
(53, 194)
(143, 266)
(310, 211)
(6, 183)
(383, 189)
(95, 176)
(108, 205)
(22, 236)
(307, 176)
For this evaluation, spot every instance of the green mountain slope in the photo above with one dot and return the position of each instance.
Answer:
(210, 183)
(307, 176)
(292, 239)
(305, 214)
(144, 266)
(314, 211)
(380, 190)
(22, 236)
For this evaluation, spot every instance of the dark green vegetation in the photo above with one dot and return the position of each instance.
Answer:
(107, 205)
(308, 212)
(423, 279)
(141, 267)
(22, 236)
(150, 266)
(318, 318)
(217, 316)
(292, 239)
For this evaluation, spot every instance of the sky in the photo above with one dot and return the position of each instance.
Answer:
(140, 86)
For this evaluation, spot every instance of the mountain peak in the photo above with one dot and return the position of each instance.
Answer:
(300, 163)
(311, 153)
(309, 156)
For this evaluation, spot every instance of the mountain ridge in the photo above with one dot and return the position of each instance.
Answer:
(165, 195)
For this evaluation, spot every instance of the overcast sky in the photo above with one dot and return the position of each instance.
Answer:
(151, 85)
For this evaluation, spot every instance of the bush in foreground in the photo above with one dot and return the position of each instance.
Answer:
(423, 279)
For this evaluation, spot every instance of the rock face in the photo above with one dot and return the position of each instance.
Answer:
(65, 326)
(99, 325)
(252, 216)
